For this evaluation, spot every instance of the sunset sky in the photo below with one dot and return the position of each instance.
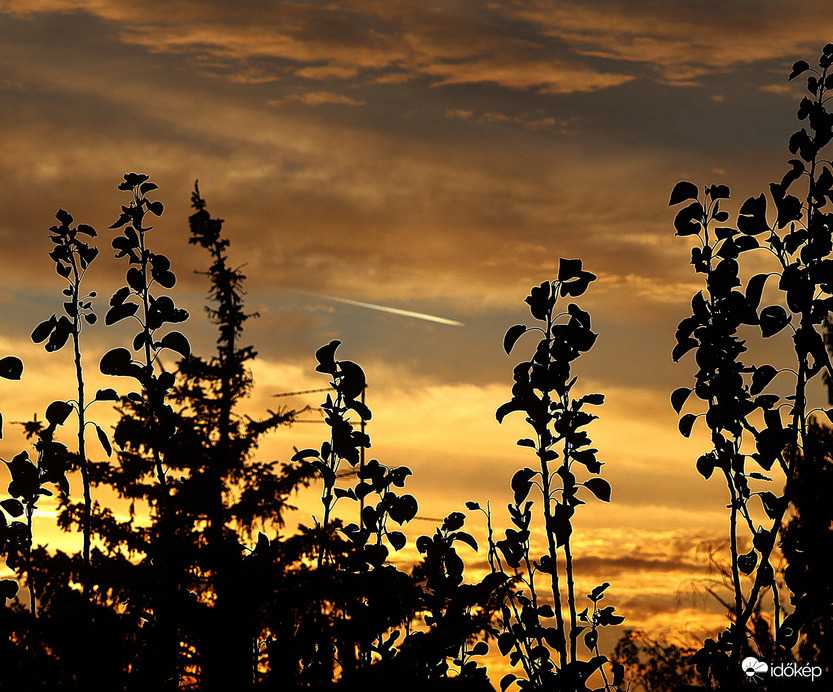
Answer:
(436, 157)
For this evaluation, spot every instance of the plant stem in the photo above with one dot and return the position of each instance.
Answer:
(33, 605)
(82, 448)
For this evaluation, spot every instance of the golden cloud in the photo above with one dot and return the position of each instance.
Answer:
(681, 43)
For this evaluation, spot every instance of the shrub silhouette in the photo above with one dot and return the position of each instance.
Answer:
(358, 605)
(743, 415)
(543, 391)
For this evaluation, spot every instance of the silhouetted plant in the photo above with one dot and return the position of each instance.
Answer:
(352, 624)
(225, 492)
(654, 667)
(457, 614)
(542, 390)
(363, 604)
(72, 257)
(152, 312)
(14, 536)
(739, 407)
(215, 491)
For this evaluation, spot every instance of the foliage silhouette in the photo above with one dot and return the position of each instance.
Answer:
(358, 605)
(72, 258)
(189, 592)
(739, 400)
(180, 602)
(653, 667)
(543, 391)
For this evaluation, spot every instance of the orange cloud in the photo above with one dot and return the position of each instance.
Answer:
(392, 42)
(317, 98)
(682, 44)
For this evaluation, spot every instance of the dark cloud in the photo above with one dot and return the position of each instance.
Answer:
(614, 566)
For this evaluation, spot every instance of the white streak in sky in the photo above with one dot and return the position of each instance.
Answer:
(393, 311)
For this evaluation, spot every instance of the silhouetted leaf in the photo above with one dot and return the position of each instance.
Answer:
(507, 408)
(705, 465)
(131, 180)
(13, 507)
(163, 310)
(678, 398)
(761, 378)
(754, 290)
(375, 555)
(512, 335)
(404, 509)
(467, 538)
(116, 361)
(718, 192)
(799, 67)
(559, 524)
(591, 638)
(481, 648)
(688, 219)
(683, 347)
(105, 443)
(176, 341)
(11, 368)
(119, 312)
(326, 358)
(136, 279)
(352, 379)
(772, 504)
(472, 505)
(57, 412)
(747, 562)
(597, 593)
(540, 300)
(773, 319)
(686, 423)
(599, 487)
(24, 476)
(454, 521)
(8, 589)
(60, 334)
(683, 191)
(569, 269)
(522, 483)
(578, 287)
(44, 329)
(398, 476)
(606, 617)
(397, 539)
(106, 395)
(161, 271)
(752, 216)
